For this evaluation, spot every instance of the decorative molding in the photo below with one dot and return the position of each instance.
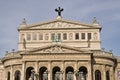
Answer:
(59, 24)
(56, 48)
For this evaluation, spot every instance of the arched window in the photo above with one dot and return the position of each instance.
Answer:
(82, 73)
(107, 75)
(8, 76)
(56, 73)
(17, 75)
(43, 73)
(97, 75)
(29, 72)
(69, 73)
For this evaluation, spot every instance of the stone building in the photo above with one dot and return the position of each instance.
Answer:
(59, 50)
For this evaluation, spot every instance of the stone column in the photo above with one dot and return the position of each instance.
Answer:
(36, 70)
(11, 73)
(36, 67)
(116, 73)
(50, 70)
(4, 75)
(23, 70)
(112, 73)
(75, 69)
(103, 72)
(89, 71)
(63, 70)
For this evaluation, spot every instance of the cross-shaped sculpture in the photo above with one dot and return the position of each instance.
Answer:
(59, 10)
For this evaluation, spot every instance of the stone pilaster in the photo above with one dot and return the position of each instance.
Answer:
(36, 70)
(90, 70)
(11, 73)
(63, 70)
(103, 72)
(50, 70)
(116, 74)
(112, 73)
(75, 69)
(36, 67)
(23, 70)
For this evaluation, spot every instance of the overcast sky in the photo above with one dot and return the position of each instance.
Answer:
(13, 11)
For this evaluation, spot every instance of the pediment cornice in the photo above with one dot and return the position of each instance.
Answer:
(57, 48)
(58, 24)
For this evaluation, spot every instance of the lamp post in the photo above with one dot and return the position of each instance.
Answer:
(59, 75)
(36, 76)
(82, 76)
(45, 75)
(77, 74)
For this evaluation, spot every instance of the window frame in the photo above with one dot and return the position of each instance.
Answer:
(64, 36)
(77, 36)
(83, 36)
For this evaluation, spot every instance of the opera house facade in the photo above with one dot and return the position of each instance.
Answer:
(59, 50)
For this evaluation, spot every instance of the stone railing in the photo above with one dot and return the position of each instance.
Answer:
(12, 54)
(102, 53)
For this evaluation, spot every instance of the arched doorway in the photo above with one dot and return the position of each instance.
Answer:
(107, 75)
(97, 75)
(28, 72)
(56, 74)
(43, 73)
(17, 75)
(69, 73)
(82, 73)
(8, 75)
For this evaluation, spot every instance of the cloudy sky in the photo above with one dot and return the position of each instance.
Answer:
(13, 11)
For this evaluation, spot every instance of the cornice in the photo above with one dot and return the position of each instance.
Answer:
(10, 58)
(28, 27)
(105, 57)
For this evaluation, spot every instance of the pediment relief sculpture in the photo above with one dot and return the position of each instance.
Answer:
(60, 24)
(57, 49)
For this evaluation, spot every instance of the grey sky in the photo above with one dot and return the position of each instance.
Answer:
(13, 11)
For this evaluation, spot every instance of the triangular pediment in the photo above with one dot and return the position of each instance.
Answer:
(58, 24)
(57, 49)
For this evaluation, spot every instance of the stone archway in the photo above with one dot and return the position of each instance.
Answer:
(17, 75)
(8, 75)
(97, 75)
(56, 73)
(107, 75)
(82, 73)
(28, 72)
(69, 73)
(43, 74)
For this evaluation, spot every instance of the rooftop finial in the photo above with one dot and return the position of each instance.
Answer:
(24, 21)
(59, 10)
(95, 22)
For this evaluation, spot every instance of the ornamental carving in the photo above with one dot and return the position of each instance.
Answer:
(70, 36)
(56, 49)
(46, 36)
(95, 36)
(58, 25)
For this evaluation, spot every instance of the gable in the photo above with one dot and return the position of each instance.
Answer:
(57, 49)
(58, 24)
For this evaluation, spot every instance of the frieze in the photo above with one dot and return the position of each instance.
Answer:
(56, 49)
(60, 24)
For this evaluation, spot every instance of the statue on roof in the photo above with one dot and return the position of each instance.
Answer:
(95, 20)
(24, 21)
(59, 10)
